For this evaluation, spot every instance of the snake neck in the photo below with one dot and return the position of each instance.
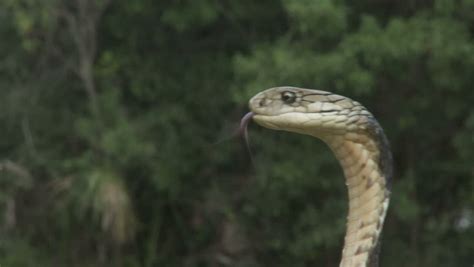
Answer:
(366, 180)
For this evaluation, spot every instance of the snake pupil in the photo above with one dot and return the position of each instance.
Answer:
(288, 97)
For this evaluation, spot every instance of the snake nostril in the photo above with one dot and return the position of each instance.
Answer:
(261, 103)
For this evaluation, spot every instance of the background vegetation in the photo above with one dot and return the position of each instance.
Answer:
(113, 116)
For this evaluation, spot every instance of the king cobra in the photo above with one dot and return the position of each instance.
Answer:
(359, 144)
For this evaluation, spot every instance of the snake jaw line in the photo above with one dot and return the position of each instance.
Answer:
(322, 125)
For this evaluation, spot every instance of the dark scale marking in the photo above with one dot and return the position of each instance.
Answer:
(338, 100)
(326, 94)
(355, 185)
(341, 119)
(381, 211)
(334, 101)
(329, 110)
(369, 184)
(358, 114)
(361, 249)
(367, 236)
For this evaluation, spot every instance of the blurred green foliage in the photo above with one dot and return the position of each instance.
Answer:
(113, 115)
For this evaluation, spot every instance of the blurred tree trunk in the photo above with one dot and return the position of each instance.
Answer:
(83, 18)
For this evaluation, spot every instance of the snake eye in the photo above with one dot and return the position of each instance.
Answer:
(288, 97)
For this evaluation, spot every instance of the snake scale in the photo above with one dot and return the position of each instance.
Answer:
(358, 142)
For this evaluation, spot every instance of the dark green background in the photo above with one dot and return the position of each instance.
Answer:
(115, 118)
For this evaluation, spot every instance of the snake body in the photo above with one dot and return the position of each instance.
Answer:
(358, 142)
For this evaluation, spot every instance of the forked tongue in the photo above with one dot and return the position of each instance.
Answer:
(244, 133)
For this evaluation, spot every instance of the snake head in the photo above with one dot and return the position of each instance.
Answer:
(313, 112)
